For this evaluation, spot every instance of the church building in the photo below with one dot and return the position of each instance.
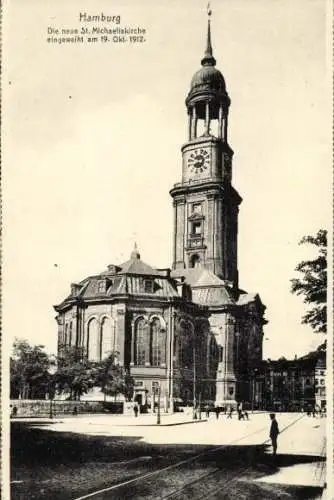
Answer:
(190, 330)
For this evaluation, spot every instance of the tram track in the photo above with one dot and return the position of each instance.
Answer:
(180, 493)
(202, 491)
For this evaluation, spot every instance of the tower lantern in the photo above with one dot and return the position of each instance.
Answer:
(208, 100)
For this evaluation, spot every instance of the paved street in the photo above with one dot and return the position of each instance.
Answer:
(129, 458)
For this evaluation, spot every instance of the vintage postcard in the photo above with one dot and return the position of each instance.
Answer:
(167, 232)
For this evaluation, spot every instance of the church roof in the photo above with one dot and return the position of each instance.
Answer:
(207, 288)
(133, 277)
(198, 276)
(216, 296)
(137, 266)
(247, 298)
(128, 284)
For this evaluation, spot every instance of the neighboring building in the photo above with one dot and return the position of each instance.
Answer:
(320, 381)
(293, 384)
(161, 323)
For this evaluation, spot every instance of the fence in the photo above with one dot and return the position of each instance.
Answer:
(44, 407)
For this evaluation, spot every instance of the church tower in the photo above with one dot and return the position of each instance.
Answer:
(205, 202)
(205, 256)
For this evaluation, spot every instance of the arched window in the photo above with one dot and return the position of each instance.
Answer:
(140, 342)
(187, 343)
(195, 261)
(156, 340)
(94, 351)
(107, 337)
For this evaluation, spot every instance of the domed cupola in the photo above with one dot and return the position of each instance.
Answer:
(207, 99)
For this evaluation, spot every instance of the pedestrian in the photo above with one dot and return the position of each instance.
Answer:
(75, 411)
(239, 410)
(135, 409)
(274, 432)
(217, 410)
(207, 411)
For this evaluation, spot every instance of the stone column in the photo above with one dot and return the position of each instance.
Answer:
(73, 326)
(133, 354)
(225, 241)
(194, 123)
(121, 332)
(218, 241)
(230, 381)
(175, 230)
(148, 344)
(181, 234)
(189, 125)
(207, 118)
(230, 324)
(220, 121)
(225, 128)
(60, 323)
(210, 233)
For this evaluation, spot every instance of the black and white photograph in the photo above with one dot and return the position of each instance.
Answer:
(167, 246)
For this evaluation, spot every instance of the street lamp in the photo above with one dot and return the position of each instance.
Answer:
(52, 368)
(254, 372)
(194, 382)
(158, 412)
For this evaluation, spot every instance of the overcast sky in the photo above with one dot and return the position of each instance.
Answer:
(92, 141)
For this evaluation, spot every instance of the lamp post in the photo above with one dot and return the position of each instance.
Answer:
(52, 368)
(253, 387)
(194, 382)
(199, 407)
(158, 412)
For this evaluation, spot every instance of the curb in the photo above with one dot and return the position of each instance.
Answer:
(161, 425)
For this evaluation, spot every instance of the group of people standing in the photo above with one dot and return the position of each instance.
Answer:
(228, 411)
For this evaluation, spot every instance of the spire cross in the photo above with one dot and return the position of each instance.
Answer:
(208, 59)
(209, 11)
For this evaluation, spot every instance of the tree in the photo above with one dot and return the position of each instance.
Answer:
(113, 378)
(29, 378)
(313, 283)
(75, 374)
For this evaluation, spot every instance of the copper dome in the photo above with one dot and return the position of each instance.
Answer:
(208, 78)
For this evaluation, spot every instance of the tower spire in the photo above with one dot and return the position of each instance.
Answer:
(208, 59)
(135, 253)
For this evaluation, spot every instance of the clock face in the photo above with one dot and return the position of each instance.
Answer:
(199, 160)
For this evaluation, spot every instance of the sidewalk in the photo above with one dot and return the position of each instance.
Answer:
(305, 440)
(143, 420)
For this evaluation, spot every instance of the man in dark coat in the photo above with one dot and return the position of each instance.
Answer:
(274, 432)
